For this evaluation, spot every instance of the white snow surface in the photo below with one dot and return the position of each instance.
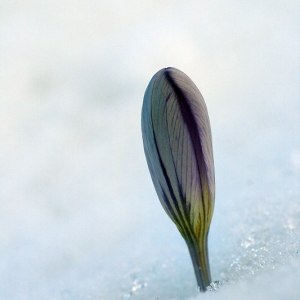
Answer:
(79, 217)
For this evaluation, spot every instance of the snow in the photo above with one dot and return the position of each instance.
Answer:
(79, 217)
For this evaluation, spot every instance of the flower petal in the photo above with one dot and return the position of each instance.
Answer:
(178, 147)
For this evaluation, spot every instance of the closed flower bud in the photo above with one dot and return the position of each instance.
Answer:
(178, 148)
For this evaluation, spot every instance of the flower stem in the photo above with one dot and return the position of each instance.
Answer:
(199, 256)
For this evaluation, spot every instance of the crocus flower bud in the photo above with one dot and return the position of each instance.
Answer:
(178, 147)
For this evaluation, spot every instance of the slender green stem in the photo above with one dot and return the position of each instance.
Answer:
(199, 256)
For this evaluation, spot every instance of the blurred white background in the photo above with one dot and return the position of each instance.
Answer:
(79, 217)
